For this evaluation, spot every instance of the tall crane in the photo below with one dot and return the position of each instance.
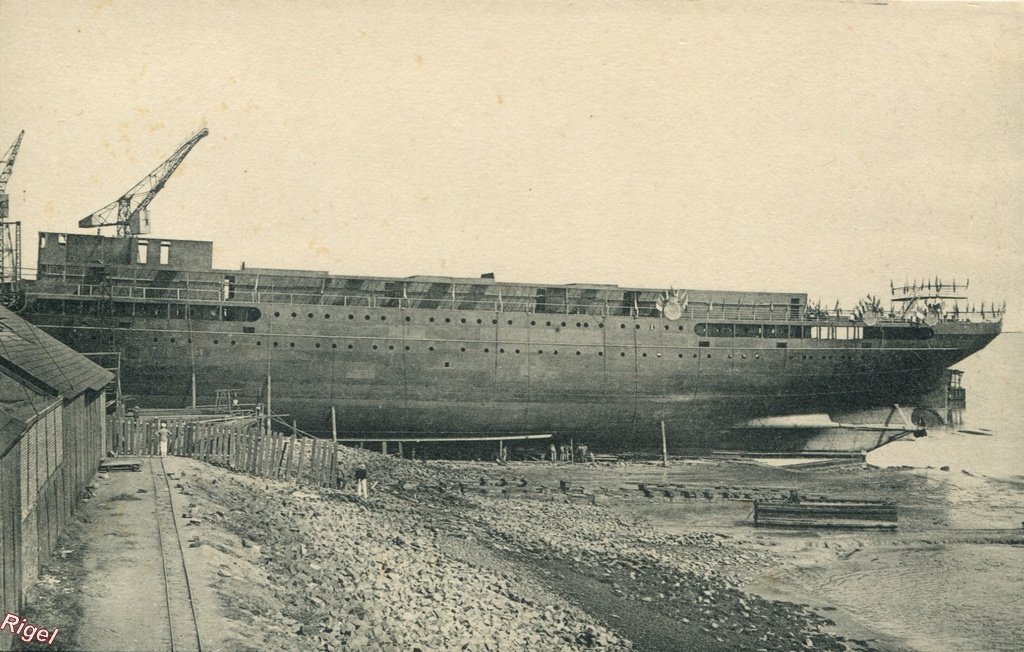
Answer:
(130, 213)
(5, 173)
(10, 235)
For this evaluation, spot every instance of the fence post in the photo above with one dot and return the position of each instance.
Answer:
(301, 461)
(289, 447)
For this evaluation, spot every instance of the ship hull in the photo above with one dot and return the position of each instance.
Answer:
(608, 381)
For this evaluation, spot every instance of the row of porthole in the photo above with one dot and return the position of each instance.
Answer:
(622, 354)
(431, 348)
(463, 320)
(757, 356)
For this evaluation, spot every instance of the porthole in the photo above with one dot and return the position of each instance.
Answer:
(374, 347)
(695, 355)
(189, 340)
(295, 314)
(509, 322)
(539, 351)
(317, 345)
(173, 340)
(555, 351)
(366, 317)
(729, 356)
(622, 325)
(407, 348)
(156, 339)
(259, 343)
(334, 346)
(431, 319)
(744, 356)
(709, 355)
(757, 356)
(533, 323)
(350, 346)
(637, 326)
(383, 317)
(659, 355)
(408, 319)
(666, 326)
(327, 315)
(430, 348)
(291, 345)
(351, 316)
(563, 324)
(547, 323)
(643, 355)
(578, 353)
(463, 349)
(600, 324)
(216, 341)
(479, 321)
(579, 324)
(600, 352)
(501, 350)
(494, 321)
(310, 315)
(586, 324)
(275, 343)
(622, 355)
(680, 355)
(463, 320)
(487, 350)
(680, 328)
(517, 350)
(447, 320)
(277, 314)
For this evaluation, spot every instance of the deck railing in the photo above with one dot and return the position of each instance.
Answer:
(710, 311)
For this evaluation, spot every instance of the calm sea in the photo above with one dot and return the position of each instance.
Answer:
(994, 378)
(953, 596)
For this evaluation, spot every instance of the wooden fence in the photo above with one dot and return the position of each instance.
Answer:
(239, 447)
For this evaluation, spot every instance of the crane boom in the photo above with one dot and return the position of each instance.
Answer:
(8, 162)
(128, 212)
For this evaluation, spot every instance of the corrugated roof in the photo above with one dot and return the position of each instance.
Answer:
(44, 360)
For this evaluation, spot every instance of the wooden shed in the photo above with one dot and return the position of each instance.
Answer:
(52, 437)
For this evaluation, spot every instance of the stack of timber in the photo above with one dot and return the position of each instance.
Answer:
(827, 513)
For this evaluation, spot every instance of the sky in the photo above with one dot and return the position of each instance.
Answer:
(817, 147)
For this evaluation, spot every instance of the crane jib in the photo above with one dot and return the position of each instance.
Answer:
(125, 211)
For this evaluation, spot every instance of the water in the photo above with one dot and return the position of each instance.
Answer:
(952, 596)
(994, 378)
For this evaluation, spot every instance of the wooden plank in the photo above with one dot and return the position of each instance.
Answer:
(301, 462)
(275, 458)
(289, 452)
(319, 462)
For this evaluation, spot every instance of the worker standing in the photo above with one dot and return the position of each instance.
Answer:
(164, 435)
(362, 488)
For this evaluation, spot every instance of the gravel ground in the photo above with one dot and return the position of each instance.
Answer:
(417, 567)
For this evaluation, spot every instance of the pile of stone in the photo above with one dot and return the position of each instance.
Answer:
(422, 570)
(369, 576)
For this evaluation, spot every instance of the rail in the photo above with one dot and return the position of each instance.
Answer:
(701, 310)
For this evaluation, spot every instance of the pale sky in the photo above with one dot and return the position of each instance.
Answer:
(809, 147)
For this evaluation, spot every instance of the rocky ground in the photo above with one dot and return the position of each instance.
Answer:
(425, 565)
(464, 556)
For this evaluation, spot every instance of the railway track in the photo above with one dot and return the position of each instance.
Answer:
(182, 621)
